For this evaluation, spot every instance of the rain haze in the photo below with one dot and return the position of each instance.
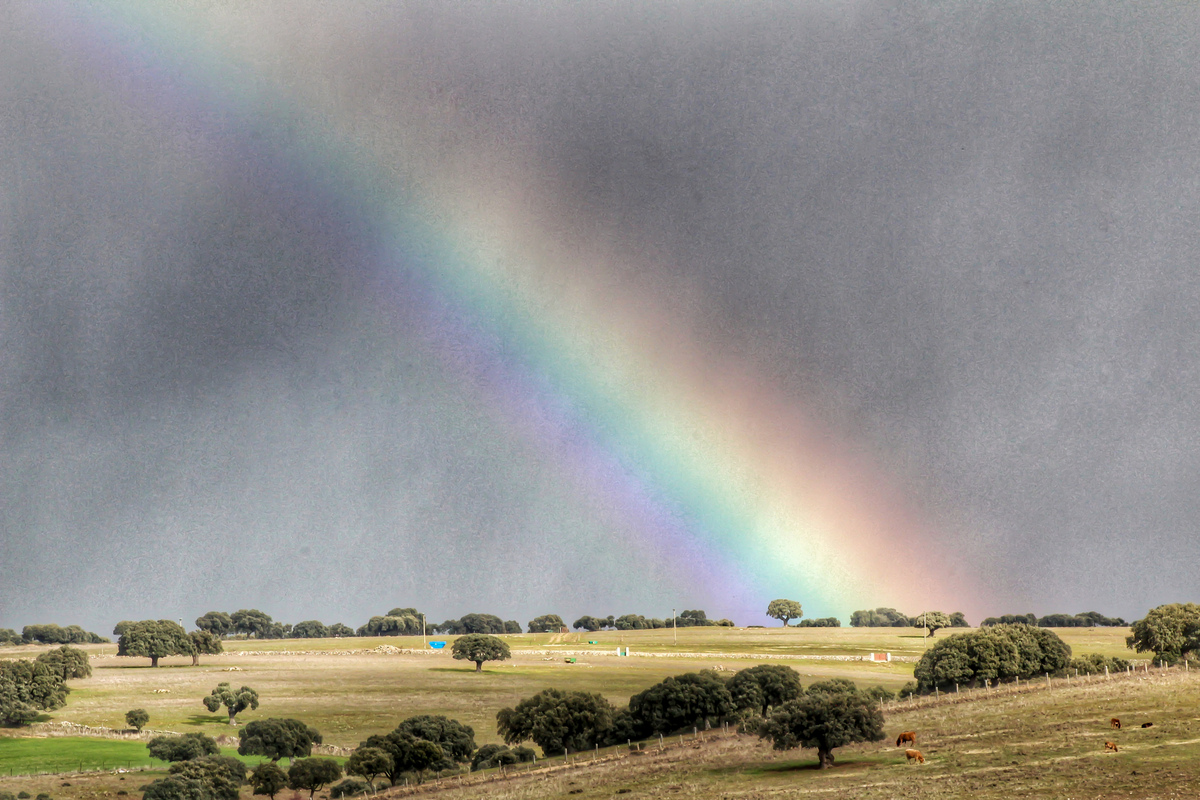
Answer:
(533, 308)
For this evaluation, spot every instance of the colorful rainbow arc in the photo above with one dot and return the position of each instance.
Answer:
(702, 458)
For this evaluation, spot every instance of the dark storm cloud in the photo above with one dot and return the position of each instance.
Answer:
(963, 234)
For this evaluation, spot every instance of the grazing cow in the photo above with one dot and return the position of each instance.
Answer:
(1110, 746)
(1147, 724)
(1114, 723)
(907, 736)
(915, 754)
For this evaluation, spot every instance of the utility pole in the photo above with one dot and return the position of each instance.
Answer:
(424, 644)
(674, 626)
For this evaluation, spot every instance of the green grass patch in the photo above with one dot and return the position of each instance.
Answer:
(30, 756)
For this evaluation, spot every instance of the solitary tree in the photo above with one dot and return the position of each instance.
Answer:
(933, 620)
(137, 718)
(277, 738)
(234, 702)
(825, 720)
(267, 778)
(784, 610)
(206, 643)
(154, 639)
(480, 647)
(370, 763)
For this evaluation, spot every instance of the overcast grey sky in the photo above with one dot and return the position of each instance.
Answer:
(963, 235)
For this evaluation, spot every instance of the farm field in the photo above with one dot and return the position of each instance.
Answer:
(351, 696)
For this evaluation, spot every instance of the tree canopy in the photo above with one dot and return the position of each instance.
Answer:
(234, 702)
(153, 639)
(217, 623)
(370, 763)
(880, 618)
(480, 647)
(557, 720)
(546, 623)
(997, 653)
(136, 718)
(784, 610)
(27, 688)
(824, 720)
(67, 662)
(1169, 631)
(933, 620)
(204, 643)
(456, 739)
(182, 748)
(681, 702)
(53, 634)
(407, 752)
(252, 622)
(267, 778)
(313, 774)
(763, 687)
(277, 738)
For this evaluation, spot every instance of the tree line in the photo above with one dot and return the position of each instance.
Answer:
(689, 618)
(1087, 619)
(50, 634)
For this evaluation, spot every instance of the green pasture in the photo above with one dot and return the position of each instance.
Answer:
(27, 755)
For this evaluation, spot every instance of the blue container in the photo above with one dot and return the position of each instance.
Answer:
(437, 645)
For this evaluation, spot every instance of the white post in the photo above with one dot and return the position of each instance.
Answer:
(674, 626)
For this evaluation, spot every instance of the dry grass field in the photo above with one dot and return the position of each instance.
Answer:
(1032, 739)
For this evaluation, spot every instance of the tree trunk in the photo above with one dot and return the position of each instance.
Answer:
(195, 659)
(826, 757)
(231, 716)
(479, 666)
(154, 661)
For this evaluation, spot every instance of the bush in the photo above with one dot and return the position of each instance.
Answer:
(348, 788)
(1094, 664)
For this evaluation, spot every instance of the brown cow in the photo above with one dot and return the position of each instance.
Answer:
(1110, 746)
(1114, 723)
(1147, 724)
(907, 736)
(915, 754)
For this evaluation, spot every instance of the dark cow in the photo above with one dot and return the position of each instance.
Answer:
(906, 736)
(1114, 723)
(1147, 724)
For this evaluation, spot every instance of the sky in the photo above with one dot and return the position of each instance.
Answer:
(597, 308)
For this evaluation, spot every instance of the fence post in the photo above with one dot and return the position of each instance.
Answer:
(956, 688)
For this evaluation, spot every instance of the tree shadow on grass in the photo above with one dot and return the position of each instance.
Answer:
(470, 669)
(209, 719)
(806, 765)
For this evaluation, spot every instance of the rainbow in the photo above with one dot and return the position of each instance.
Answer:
(710, 466)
